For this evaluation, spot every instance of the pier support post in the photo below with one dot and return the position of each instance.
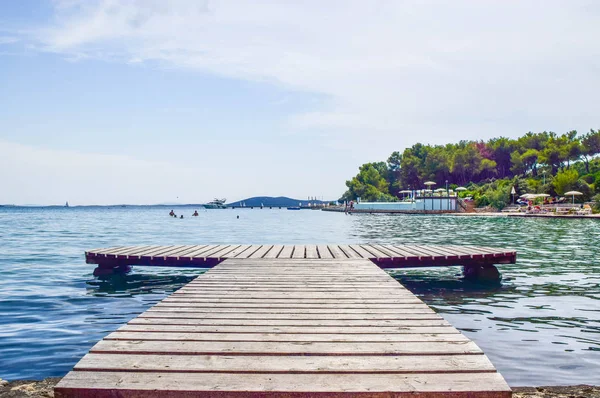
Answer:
(106, 269)
(482, 272)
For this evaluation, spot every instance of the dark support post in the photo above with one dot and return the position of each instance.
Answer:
(106, 269)
(482, 272)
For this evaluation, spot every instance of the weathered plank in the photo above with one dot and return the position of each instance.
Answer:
(298, 252)
(154, 384)
(290, 364)
(288, 337)
(348, 323)
(151, 327)
(285, 348)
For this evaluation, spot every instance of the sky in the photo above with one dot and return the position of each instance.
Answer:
(162, 101)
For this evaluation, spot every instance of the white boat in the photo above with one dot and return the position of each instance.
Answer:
(215, 204)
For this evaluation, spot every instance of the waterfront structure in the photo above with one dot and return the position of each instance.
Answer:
(289, 321)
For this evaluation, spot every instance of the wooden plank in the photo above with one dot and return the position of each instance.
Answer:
(318, 306)
(291, 364)
(261, 252)
(123, 250)
(237, 251)
(295, 295)
(136, 251)
(154, 384)
(200, 251)
(274, 252)
(254, 301)
(241, 282)
(286, 338)
(385, 330)
(167, 253)
(152, 327)
(212, 251)
(311, 251)
(224, 251)
(348, 323)
(308, 288)
(286, 252)
(386, 250)
(374, 252)
(299, 251)
(411, 252)
(107, 250)
(323, 251)
(152, 251)
(350, 253)
(337, 252)
(303, 316)
(281, 348)
(247, 253)
(362, 252)
(190, 249)
(266, 312)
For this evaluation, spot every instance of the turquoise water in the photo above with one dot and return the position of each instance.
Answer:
(541, 326)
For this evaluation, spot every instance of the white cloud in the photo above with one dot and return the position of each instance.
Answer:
(386, 74)
(8, 40)
(440, 69)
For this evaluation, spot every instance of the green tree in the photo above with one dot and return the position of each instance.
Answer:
(565, 180)
(590, 147)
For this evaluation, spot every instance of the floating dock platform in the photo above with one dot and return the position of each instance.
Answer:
(329, 323)
(475, 260)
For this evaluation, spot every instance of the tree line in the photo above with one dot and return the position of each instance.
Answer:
(561, 160)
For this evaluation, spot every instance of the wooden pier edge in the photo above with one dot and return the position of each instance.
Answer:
(259, 327)
(477, 261)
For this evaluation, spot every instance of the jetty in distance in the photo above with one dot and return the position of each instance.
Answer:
(289, 321)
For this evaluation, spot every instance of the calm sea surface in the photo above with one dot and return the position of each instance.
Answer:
(541, 326)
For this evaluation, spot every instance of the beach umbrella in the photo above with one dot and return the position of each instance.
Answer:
(405, 191)
(429, 183)
(528, 196)
(573, 194)
(461, 189)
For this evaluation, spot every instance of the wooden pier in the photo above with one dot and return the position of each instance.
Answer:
(270, 324)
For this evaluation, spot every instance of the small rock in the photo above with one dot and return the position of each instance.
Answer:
(3, 383)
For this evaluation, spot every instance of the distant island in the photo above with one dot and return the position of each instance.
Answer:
(280, 201)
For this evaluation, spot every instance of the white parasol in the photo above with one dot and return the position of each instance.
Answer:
(573, 194)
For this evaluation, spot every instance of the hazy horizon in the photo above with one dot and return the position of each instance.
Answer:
(145, 102)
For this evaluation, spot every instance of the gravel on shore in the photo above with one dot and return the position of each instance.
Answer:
(44, 389)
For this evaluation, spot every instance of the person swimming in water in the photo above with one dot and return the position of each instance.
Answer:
(181, 216)
(172, 213)
(195, 213)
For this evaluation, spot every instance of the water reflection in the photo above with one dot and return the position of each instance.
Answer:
(134, 284)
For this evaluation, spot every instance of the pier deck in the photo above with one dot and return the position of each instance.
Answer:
(290, 328)
(385, 256)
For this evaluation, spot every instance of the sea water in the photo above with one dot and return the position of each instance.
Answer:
(540, 326)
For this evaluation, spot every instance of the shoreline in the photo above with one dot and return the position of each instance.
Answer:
(460, 214)
(45, 388)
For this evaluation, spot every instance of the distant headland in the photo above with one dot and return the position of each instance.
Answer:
(279, 201)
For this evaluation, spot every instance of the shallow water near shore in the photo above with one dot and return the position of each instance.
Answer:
(540, 326)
